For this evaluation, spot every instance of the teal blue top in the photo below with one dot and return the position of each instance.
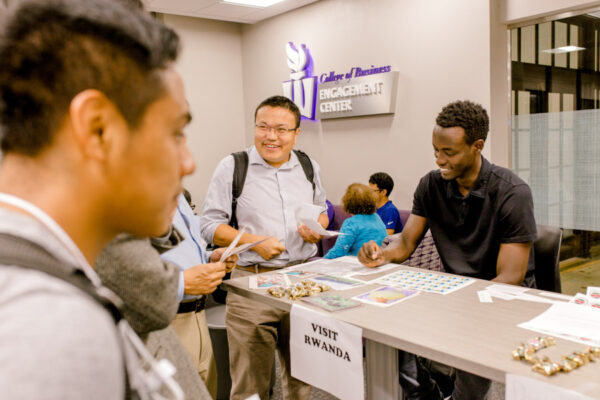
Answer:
(358, 229)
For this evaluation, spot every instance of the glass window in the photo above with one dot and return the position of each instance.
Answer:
(555, 129)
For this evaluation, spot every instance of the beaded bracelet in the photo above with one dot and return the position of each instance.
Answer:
(546, 366)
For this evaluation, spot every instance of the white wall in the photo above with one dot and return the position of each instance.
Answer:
(440, 48)
(443, 50)
(514, 11)
(211, 66)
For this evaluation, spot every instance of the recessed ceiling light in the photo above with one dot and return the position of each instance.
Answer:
(564, 49)
(253, 3)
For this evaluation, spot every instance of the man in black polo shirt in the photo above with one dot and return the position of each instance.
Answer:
(481, 219)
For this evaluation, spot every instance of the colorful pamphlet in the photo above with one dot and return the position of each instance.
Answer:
(386, 296)
(332, 302)
(268, 280)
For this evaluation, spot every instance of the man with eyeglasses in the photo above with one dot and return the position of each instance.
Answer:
(275, 187)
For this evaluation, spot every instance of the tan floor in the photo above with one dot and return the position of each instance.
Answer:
(576, 274)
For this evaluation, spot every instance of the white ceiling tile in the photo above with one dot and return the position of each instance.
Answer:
(228, 10)
(215, 9)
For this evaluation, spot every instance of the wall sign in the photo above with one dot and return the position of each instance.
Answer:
(366, 95)
(357, 92)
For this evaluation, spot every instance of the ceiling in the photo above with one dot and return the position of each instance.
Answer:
(217, 9)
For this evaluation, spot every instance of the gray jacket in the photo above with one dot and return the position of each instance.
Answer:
(133, 269)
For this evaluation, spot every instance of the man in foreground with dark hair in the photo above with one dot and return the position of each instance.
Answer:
(481, 219)
(276, 185)
(382, 183)
(92, 116)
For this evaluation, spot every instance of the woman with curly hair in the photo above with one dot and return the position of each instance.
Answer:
(363, 226)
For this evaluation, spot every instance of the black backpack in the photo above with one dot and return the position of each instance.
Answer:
(239, 178)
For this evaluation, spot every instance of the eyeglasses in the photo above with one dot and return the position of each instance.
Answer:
(279, 130)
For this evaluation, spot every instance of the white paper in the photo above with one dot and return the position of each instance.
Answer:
(556, 295)
(568, 319)
(308, 211)
(576, 339)
(338, 282)
(508, 289)
(484, 296)
(343, 266)
(319, 345)
(536, 299)
(593, 292)
(500, 295)
(245, 247)
(318, 228)
(229, 248)
(523, 388)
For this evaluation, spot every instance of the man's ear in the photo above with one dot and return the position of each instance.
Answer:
(384, 192)
(90, 112)
(479, 143)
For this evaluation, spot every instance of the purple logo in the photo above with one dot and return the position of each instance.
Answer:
(302, 86)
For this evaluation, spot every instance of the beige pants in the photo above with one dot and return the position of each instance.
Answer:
(192, 330)
(254, 331)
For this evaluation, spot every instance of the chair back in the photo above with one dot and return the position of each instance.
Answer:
(425, 255)
(546, 251)
(404, 214)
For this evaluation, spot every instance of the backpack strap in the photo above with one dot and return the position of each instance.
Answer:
(241, 169)
(307, 166)
(239, 178)
(27, 254)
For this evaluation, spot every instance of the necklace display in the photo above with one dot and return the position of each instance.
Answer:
(544, 365)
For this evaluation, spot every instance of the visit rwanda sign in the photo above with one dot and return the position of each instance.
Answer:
(326, 353)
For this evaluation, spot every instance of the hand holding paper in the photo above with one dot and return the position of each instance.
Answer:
(231, 246)
(308, 211)
(315, 226)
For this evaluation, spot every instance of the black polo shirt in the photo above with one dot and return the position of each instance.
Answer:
(468, 230)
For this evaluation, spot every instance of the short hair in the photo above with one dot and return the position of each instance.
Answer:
(359, 199)
(283, 102)
(137, 4)
(52, 50)
(383, 181)
(470, 116)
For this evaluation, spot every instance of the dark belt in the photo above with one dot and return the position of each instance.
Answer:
(192, 306)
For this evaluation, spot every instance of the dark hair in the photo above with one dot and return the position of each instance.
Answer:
(53, 50)
(359, 199)
(136, 4)
(470, 116)
(383, 181)
(283, 102)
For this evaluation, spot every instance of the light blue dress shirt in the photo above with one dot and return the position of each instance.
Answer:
(267, 205)
(191, 251)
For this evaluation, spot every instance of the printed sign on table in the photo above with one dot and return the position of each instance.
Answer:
(320, 344)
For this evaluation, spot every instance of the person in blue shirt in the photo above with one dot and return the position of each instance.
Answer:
(383, 184)
(363, 226)
(200, 274)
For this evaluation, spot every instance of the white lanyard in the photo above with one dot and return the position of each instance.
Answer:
(55, 230)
